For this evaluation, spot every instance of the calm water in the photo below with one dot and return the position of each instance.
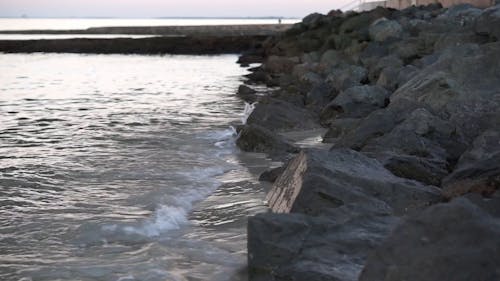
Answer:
(58, 24)
(122, 168)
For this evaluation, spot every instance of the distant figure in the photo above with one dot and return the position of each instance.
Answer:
(279, 21)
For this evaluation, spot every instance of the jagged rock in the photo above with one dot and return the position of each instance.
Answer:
(459, 90)
(346, 76)
(340, 127)
(331, 58)
(388, 61)
(388, 78)
(462, 14)
(277, 64)
(488, 22)
(317, 180)
(383, 29)
(278, 115)
(478, 169)
(298, 247)
(372, 53)
(419, 148)
(314, 20)
(355, 102)
(453, 241)
(311, 57)
(254, 138)
(247, 93)
(272, 174)
(319, 95)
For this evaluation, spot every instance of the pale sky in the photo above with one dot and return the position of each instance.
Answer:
(165, 8)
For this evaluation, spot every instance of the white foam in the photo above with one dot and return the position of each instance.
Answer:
(249, 108)
(165, 218)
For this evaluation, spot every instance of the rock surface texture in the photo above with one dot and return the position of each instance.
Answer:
(408, 188)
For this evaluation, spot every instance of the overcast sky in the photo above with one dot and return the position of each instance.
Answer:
(165, 8)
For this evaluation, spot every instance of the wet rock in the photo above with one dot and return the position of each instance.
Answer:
(272, 174)
(383, 29)
(279, 115)
(247, 93)
(452, 241)
(253, 138)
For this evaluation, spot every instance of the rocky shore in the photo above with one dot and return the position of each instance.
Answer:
(407, 186)
(154, 45)
(215, 39)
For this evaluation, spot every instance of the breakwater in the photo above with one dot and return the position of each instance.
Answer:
(409, 103)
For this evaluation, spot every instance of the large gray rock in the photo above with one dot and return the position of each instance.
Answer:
(340, 127)
(254, 138)
(478, 169)
(454, 241)
(279, 64)
(419, 147)
(383, 29)
(317, 180)
(488, 22)
(355, 102)
(343, 77)
(284, 247)
(278, 115)
(342, 206)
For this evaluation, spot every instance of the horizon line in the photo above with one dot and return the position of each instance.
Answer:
(162, 17)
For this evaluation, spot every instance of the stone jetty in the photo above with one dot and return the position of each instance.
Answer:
(403, 184)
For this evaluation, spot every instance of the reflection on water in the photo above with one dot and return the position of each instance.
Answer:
(104, 160)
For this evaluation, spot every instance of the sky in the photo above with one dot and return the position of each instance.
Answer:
(165, 8)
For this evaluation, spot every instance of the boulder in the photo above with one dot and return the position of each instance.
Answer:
(355, 102)
(280, 64)
(385, 62)
(316, 181)
(340, 127)
(461, 14)
(279, 115)
(488, 22)
(284, 247)
(254, 138)
(247, 94)
(453, 241)
(478, 169)
(319, 95)
(346, 76)
(419, 148)
(383, 29)
(272, 174)
(388, 78)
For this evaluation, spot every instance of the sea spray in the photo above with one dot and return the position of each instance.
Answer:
(249, 108)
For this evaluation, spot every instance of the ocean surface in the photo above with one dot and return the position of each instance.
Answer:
(118, 168)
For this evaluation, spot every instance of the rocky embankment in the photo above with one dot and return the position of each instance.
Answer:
(408, 186)
(154, 45)
(215, 39)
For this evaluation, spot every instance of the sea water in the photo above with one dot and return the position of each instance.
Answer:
(116, 167)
